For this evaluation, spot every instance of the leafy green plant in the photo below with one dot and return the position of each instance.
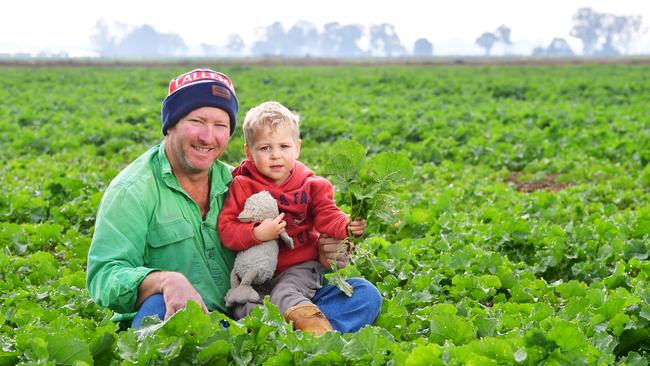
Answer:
(475, 271)
(366, 185)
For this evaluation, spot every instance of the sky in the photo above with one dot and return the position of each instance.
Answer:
(452, 26)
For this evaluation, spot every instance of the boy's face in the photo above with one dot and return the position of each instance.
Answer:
(274, 152)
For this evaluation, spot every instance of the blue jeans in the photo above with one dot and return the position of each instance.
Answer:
(347, 314)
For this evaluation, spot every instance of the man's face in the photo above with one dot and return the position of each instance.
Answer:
(197, 140)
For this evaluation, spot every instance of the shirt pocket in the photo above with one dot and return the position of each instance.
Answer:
(166, 239)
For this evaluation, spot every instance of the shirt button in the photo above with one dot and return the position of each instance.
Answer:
(210, 254)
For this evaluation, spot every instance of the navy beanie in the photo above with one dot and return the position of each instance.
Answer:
(195, 89)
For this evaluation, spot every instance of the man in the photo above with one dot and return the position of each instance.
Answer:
(155, 245)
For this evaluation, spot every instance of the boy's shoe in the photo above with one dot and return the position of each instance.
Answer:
(308, 318)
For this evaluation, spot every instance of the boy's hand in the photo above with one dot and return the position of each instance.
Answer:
(270, 229)
(357, 227)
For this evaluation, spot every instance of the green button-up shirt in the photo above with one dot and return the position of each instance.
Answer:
(147, 222)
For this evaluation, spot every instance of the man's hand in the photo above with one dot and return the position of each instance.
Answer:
(329, 251)
(270, 229)
(176, 290)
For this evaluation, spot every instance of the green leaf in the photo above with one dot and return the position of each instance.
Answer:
(191, 323)
(567, 335)
(486, 351)
(215, 352)
(642, 225)
(633, 340)
(8, 358)
(446, 325)
(66, 349)
(39, 267)
(424, 355)
(521, 293)
(485, 325)
(127, 345)
(536, 338)
(385, 207)
(390, 167)
(369, 345)
(645, 176)
(281, 359)
(638, 249)
(645, 312)
(571, 289)
(102, 345)
(604, 342)
(634, 359)
(346, 161)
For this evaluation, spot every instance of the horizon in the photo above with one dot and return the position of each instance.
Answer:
(451, 28)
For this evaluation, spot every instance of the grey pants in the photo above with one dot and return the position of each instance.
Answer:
(295, 285)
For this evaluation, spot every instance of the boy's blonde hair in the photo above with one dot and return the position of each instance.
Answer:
(269, 114)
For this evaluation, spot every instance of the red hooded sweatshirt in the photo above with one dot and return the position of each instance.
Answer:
(307, 201)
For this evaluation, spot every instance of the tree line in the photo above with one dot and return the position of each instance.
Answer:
(303, 39)
(601, 34)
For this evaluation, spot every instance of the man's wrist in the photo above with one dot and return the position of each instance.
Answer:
(156, 282)
(165, 278)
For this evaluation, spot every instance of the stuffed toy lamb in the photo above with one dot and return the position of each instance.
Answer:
(255, 265)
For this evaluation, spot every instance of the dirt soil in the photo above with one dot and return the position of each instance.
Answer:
(315, 61)
(549, 183)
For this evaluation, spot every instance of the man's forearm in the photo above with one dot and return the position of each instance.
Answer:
(152, 284)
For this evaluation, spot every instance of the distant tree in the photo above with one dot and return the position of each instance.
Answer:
(487, 41)
(605, 34)
(272, 42)
(384, 41)
(107, 36)
(586, 24)
(146, 42)
(349, 36)
(619, 32)
(301, 39)
(341, 41)
(539, 51)
(557, 48)
(114, 39)
(235, 45)
(101, 38)
(422, 48)
(330, 39)
(503, 36)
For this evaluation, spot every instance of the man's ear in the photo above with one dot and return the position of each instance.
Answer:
(248, 152)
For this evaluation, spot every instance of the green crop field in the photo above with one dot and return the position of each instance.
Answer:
(523, 234)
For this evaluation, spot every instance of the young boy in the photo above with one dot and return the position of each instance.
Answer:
(306, 203)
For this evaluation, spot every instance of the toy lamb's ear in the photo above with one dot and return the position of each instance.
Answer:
(287, 239)
(245, 216)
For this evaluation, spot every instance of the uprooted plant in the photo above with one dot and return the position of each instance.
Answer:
(366, 186)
